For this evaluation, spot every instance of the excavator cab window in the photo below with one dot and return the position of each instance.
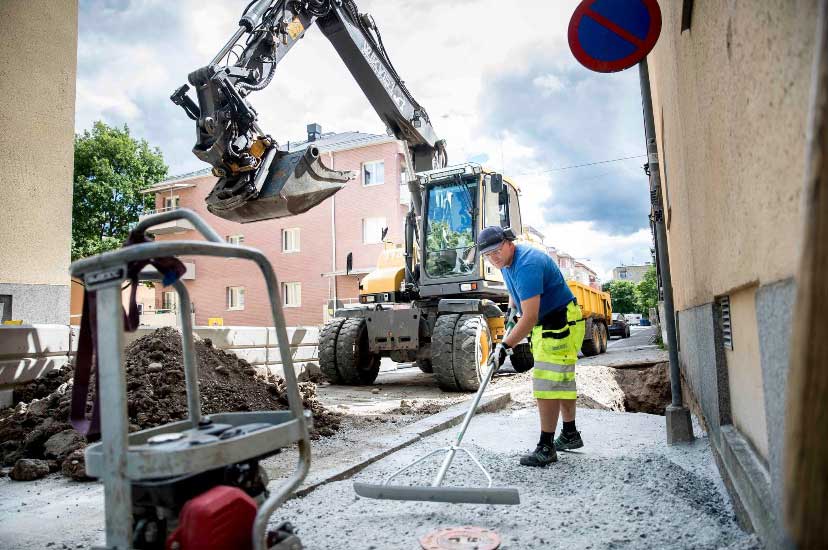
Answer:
(450, 247)
(497, 211)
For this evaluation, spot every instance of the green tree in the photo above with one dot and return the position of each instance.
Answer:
(646, 292)
(623, 296)
(111, 170)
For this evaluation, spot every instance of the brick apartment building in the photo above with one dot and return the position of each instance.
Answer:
(308, 252)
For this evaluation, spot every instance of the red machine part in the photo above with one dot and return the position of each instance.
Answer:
(219, 519)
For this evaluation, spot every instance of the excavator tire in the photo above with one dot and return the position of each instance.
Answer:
(472, 345)
(522, 358)
(442, 351)
(327, 350)
(592, 346)
(356, 365)
(425, 365)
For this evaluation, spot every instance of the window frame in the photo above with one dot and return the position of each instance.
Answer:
(229, 295)
(235, 239)
(384, 225)
(176, 199)
(362, 172)
(298, 243)
(285, 293)
(165, 301)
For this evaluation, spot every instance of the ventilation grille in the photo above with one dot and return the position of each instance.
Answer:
(727, 329)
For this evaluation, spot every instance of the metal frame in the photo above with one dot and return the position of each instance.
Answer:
(119, 458)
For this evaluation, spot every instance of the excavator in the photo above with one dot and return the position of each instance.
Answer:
(403, 310)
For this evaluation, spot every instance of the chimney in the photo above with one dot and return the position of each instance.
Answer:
(314, 131)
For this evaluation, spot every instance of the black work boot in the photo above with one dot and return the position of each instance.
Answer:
(542, 456)
(569, 441)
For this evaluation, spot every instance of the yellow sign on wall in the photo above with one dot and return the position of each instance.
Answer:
(215, 321)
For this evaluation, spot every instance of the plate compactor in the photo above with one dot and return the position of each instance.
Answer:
(196, 483)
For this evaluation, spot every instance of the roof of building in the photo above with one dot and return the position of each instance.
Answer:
(333, 141)
(330, 141)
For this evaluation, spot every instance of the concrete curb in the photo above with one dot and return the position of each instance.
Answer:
(411, 434)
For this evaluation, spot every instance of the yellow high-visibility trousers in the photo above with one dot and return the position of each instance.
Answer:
(556, 351)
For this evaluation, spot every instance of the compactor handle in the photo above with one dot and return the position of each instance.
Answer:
(180, 214)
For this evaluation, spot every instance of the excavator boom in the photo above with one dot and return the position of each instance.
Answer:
(258, 179)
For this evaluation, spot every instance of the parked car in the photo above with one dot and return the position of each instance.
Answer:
(645, 322)
(633, 319)
(620, 326)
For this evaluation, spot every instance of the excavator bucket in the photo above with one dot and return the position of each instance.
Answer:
(288, 184)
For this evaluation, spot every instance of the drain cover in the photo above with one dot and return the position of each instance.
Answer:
(461, 538)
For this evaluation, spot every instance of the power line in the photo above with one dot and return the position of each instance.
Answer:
(561, 168)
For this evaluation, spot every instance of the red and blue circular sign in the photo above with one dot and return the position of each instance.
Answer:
(612, 35)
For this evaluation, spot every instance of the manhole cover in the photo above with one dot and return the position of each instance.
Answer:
(461, 538)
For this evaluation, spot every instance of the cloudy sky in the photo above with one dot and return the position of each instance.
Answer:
(501, 86)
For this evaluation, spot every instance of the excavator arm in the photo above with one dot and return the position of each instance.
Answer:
(258, 179)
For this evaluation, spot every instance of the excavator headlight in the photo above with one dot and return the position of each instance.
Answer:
(468, 287)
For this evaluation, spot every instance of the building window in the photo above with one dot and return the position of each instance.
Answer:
(235, 239)
(235, 297)
(372, 230)
(171, 203)
(290, 240)
(292, 294)
(373, 173)
(169, 301)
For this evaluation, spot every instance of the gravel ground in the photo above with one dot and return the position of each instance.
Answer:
(625, 489)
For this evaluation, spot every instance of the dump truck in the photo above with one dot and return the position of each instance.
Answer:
(597, 310)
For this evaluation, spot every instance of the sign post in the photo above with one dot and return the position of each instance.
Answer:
(609, 36)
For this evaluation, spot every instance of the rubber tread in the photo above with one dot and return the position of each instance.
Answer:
(355, 364)
(327, 350)
(593, 346)
(466, 363)
(442, 356)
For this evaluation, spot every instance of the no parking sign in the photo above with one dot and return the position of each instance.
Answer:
(612, 35)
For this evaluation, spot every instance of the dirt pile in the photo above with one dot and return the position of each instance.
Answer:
(37, 426)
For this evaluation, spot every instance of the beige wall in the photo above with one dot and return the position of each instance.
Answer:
(733, 92)
(37, 114)
(744, 372)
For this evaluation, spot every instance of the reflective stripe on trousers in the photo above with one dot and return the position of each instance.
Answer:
(557, 351)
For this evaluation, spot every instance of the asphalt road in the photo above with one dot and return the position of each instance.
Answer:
(639, 336)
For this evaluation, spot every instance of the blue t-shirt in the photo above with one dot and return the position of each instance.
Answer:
(533, 272)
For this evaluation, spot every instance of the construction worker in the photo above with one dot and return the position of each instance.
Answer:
(549, 313)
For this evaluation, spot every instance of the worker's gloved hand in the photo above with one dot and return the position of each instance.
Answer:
(500, 352)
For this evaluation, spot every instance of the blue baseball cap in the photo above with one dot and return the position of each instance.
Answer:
(491, 237)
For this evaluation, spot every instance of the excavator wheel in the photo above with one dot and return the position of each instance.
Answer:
(355, 364)
(327, 350)
(592, 346)
(522, 358)
(461, 346)
(442, 351)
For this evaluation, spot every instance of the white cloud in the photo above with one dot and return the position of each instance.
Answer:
(548, 84)
(456, 57)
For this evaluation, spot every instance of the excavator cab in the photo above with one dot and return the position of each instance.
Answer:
(458, 203)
